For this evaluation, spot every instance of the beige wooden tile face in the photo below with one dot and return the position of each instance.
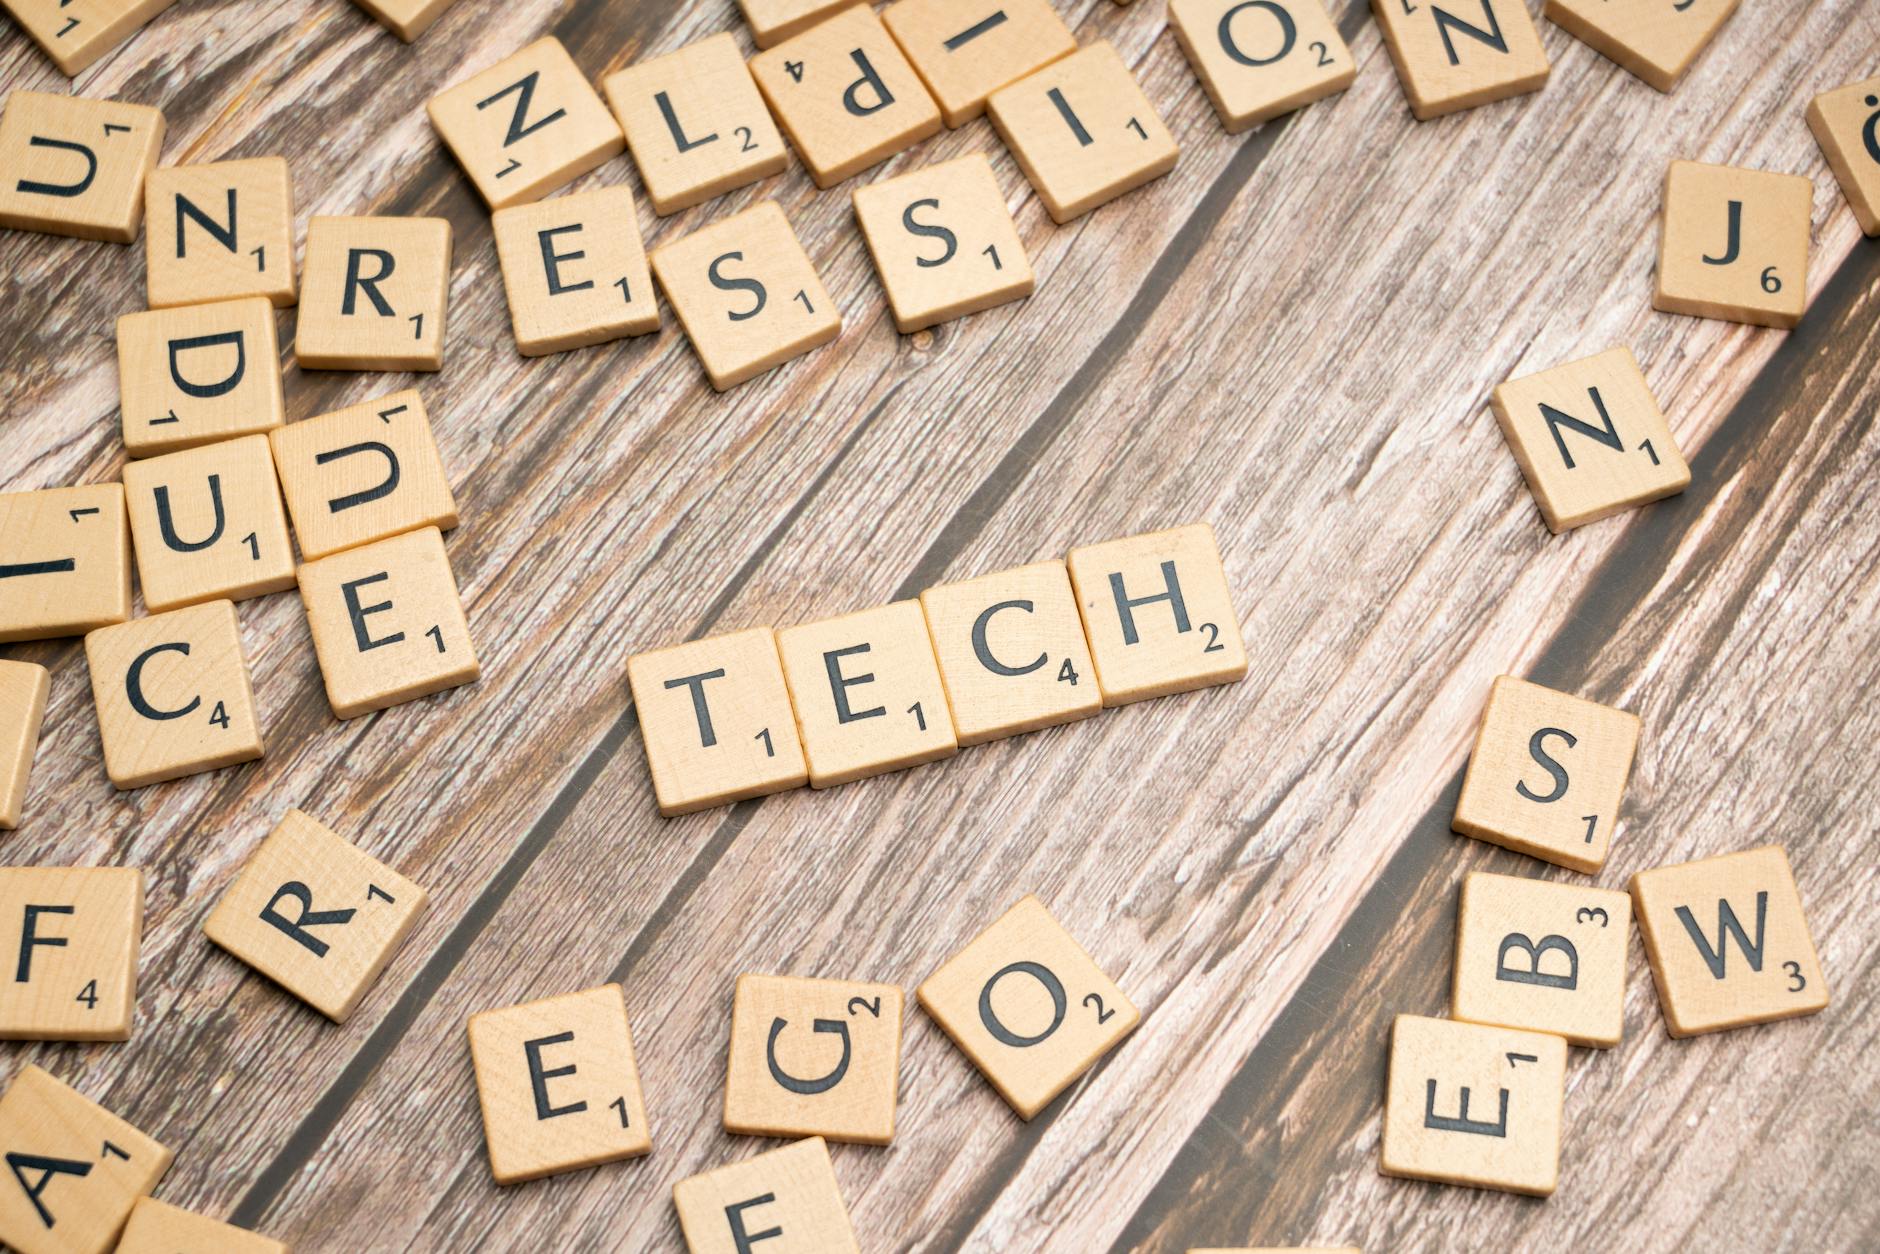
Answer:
(387, 622)
(1258, 59)
(159, 1228)
(373, 294)
(23, 688)
(87, 1168)
(1456, 54)
(867, 693)
(75, 33)
(75, 166)
(558, 1085)
(1656, 40)
(1734, 244)
(773, 21)
(1547, 774)
(1846, 123)
(747, 295)
(814, 1058)
(1542, 956)
(72, 936)
(1728, 943)
(716, 721)
(208, 524)
(1590, 438)
(407, 19)
(1158, 614)
(574, 271)
(65, 561)
(782, 1202)
(367, 472)
(964, 50)
(197, 374)
(219, 232)
(1028, 1006)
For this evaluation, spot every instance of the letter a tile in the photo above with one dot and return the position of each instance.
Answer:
(197, 374)
(1542, 956)
(76, 166)
(373, 294)
(1258, 59)
(209, 525)
(787, 1199)
(964, 50)
(1457, 54)
(574, 271)
(1846, 123)
(65, 561)
(76, 933)
(220, 232)
(814, 1058)
(79, 1168)
(159, 1228)
(1734, 244)
(1657, 42)
(23, 688)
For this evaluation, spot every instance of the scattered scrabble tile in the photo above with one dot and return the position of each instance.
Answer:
(65, 561)
(695, 123)
(388, 625)
(943, 242)
(406, 19)
(159, 1228)
(716, 720)
(772, 21)
(788, 1197)
(575, 271)
(558, 1085)
(1470, 53)
(1547, 774)
(1257, 59)
(79, 1168)
(1082, 131)
(208, 524)
(845, 95)
(746, 294)
(1695, 915)
(23, 688)
(316, 915)
(372, 294)
(527, 125)
(1846, 123)
(814, 1058)
(1028, 1006)
(1590, 438)
(173, 695)
(368, 472)
(1656, 42)
(197, 374)
(219, 232)
(75, 33)
(867, 693)
(71, 936)
(75, 166)
(1542, 956)
(1734, 244)
(964, 50)
(1158, 614)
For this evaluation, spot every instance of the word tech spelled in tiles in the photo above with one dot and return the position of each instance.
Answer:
(23, 689)
(79, 1167)
(1458, 54)
(160, 1228)
(220, 232)
(75, 166)
(1846, 123)
(373, 293)
(65, 561)
(75, 33)
(197, 374)
(966, 51)
(1542, 956)
(1259, 60)
(72, 936)
(813, 1058)
(574, 271)
(1734, 244)
(1657, 42)
(368, 472)
(787, 1196)
(209, 524)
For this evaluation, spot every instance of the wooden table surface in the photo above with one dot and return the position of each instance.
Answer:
(1292, 336)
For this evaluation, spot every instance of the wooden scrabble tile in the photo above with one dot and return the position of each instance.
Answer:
(318, 916)
(219, 232)
(1257, 59)
(867, 693)
(773, 21)
(373, 293)
(1590, 438)
(746, 294)
(575, 271)
(787, 1197)
(71, 935)
(1158, 614)
(558, 1085)
(75, 33)
(208, 524)
(1657, 42)
(65, 561)
(367, 472)
(716, 721)
(197, 374)
(75, 166)
(79, 1167)
(1082, 131)
(1734, 244)
(813, 1058)
(23, 688)
(406, 19)
(1846, 123)
(1028, 1006)
(1458, 54)
(845, 95)
(964, 50)
(695, 123)
(160, 1228)
(1692, 916)
(388, 625)
(1542, 956)
(943, 242)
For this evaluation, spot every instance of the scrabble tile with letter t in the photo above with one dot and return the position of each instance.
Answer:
(786, 1198)
(76, 166)
(23, 687)
(220, 232)
(1543, 956)
(197, 374)
(1259, 60)
(75, 33)
(574, 271)
(1461, 55)
(79, 1168)
(965, 51)
(813, 1058)
(373, 294)
(65, 561)
(1657, 42)
(160, 1228)
(71, 936)
(1734, 244)
(1846, 123)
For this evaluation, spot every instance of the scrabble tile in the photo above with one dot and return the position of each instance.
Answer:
(716, 721)
(75, 166)
(1657, 42)
(208, 524)
(71, 935)
(1458, 54)
(746, 294)
(219, 232)
(1734, 244)
(813, 1058)
(1082, 131)
(23, 688)
(1157, 614)
(1590, 438)
(943, 242)
(79, 1167)
(1012, 652)
(575, 271)
(695, 123)
(173, 695)
(845, 95)
(1542, 956)
(787, 1198)
(558, 1085)
(406, 19)
(773, 21)
(527, 125)
(1846, 123)
(318, 916)
(372, 294)
(964, 50)
(388, 625)
(1257, 59)
(75, 33)
(867, 693)
(368, 472)
(1727, 942)
(65, 561)
(1028, 1006)
(160, 1228)
(197, 374)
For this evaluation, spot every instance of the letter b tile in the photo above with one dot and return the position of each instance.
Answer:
(814, 1058)
(782, 1202)
(70, 938)
(1545, 956)
(79, 1169)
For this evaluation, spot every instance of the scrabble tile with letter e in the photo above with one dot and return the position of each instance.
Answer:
(1258, 59)
(406, 19)
(160, 1228)
(368, 472)
(787, 1198)
(373, 294)
(1458, 54)
(219, 232)
(1543, 956)
(966, 51)
(76, 166)
(1734, 244)
(1657, 42)
(773, 21)
(71, 936)
(574, 271)
(208, 524)
(198, 373)
(23, 688)
(813, 1058)
(79, 1168)
(75, 33)
(1846, 123)
(65, 561)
